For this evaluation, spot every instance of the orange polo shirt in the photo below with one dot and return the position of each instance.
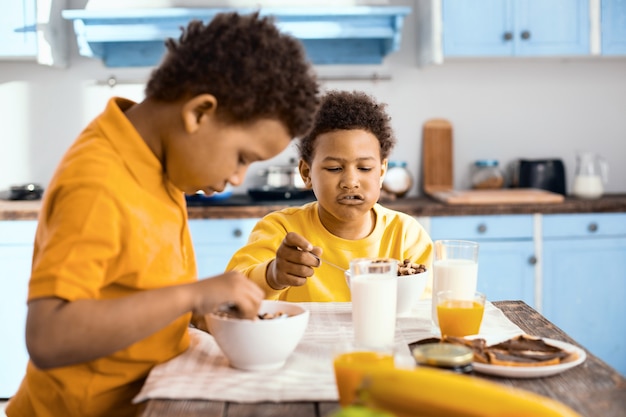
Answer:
(111, 225)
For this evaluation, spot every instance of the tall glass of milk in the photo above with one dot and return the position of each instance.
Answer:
(374, 289)
(455, 268)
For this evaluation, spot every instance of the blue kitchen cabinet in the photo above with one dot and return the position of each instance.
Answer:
(216, 240)
(128, 37)
(515, 27)
(584, 281)
(506, 254)
(18, 38)
(613, 27)
(16, 249)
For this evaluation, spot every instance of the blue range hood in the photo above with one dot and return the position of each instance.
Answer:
(333, 35)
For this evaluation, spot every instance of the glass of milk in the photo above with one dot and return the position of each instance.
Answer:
(455, 268)
(374, 289)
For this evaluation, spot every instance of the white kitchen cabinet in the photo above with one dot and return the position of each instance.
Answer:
(515, 27)
(506, 254)
(584, 281)
(16, 249)
(34, 30)
(18, 38)
(613, 27)
(216, 240)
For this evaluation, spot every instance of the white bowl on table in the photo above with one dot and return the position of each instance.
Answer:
(410, 290)
(260, 345)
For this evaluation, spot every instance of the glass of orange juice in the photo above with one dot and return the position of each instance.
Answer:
(351, 364)
(459, 315)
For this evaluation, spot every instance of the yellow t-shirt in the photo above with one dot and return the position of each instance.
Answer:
(395, 235)
(111, 225)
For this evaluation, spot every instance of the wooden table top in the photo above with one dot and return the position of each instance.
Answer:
(592, 388)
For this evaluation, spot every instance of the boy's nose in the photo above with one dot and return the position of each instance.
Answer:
(349, 181)
(238, 176)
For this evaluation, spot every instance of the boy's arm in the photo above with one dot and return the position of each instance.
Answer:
(61, 332)
(254, 258)
(274, 258)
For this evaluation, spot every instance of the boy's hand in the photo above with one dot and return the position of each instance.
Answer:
(294, 262)
(232, 288)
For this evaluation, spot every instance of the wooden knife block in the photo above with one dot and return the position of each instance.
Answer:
(437, 156)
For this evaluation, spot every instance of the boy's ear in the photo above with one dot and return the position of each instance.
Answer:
(197, 110)
(305, 173)
(383, 170)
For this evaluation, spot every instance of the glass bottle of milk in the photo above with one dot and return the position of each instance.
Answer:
(590, 176)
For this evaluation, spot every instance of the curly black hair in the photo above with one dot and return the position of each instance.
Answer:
(252, 69)
(344, 110)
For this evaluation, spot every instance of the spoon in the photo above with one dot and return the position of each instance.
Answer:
(345, 271)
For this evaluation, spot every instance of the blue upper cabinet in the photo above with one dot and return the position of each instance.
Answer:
(18, 38)
(515, 27)
(613, 26)
(333, 35)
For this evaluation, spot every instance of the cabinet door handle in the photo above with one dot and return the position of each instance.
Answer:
(532, 260)
(237, 233)
(482, 228)
(507, 36)
(593, 227)
(525, 34)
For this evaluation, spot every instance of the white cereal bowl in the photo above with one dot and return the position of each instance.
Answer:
(260, 345)
(410, 289)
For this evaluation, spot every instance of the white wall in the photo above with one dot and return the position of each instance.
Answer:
(499, 108)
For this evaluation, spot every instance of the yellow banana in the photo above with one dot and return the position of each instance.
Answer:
(428, 392)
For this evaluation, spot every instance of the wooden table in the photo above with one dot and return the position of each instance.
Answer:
(592, 388)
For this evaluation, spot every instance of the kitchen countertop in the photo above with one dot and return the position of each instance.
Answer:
(242, 206)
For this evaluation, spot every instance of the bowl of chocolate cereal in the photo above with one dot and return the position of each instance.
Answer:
(264, 343)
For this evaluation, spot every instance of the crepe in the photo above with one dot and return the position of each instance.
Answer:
(522, 350)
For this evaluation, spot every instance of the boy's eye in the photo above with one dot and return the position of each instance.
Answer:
(333, 169)
(366, 169)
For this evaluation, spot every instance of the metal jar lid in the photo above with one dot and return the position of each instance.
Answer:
(443, 355)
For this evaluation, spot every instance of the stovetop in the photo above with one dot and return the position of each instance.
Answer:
(256, 197)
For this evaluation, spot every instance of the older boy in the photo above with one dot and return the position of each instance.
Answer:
(114, 283)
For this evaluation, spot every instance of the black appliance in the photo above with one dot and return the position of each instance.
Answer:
(545, 174)
(30, 191)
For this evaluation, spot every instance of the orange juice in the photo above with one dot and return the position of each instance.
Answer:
(460, 318)
(352, 366)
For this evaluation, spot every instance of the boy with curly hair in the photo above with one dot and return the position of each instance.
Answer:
(344, 160)
(114, 282)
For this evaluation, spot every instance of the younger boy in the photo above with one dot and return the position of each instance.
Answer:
(344, 160)
(114, 282)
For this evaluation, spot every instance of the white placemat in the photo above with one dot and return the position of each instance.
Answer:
(202, 372)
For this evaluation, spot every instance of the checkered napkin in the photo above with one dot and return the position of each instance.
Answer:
(202, 372)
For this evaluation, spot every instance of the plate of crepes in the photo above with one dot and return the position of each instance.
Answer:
(522, 356)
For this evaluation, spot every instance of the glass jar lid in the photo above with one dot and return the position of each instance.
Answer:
(394, 164)
(486, 163)
(443, 354)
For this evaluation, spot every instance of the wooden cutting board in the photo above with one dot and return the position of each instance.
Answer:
(437, 155)
(504, 196)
